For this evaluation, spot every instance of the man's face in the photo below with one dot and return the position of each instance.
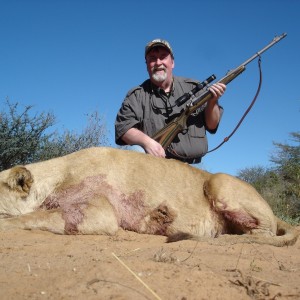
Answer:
(160, 65)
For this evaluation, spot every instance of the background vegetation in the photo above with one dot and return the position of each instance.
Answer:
(280, 184)
(27, 138)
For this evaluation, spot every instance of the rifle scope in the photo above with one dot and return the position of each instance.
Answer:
(196, 89)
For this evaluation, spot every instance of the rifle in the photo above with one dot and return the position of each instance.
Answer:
(166, 135)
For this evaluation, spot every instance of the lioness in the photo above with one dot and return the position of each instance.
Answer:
(98, 190)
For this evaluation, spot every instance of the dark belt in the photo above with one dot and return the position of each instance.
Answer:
(183, 159)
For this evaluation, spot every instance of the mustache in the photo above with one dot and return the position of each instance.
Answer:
(161, 68)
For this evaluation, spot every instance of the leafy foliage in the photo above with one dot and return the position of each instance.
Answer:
(280, 185)
(21, 135)
(67, 142)
(24, 138)
(287, 161)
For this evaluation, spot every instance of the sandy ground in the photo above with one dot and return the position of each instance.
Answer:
(42, 265)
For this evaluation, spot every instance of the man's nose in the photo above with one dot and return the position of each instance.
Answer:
(158, 61)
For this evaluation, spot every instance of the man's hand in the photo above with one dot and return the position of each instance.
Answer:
(154, 148)
(212, 110)
(136, 137)
(217, 90)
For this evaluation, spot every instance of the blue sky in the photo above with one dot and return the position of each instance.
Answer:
(73, 57)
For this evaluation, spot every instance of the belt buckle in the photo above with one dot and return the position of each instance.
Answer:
(193, 160)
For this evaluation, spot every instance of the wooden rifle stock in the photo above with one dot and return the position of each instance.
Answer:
(166, 135)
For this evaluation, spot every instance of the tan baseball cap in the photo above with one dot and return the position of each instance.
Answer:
(158, 43)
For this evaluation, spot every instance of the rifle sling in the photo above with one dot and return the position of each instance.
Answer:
(226, 139)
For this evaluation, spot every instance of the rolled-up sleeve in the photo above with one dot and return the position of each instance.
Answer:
(127, 117)
(216, 129)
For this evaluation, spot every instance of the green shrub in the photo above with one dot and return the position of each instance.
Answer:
(280, 184)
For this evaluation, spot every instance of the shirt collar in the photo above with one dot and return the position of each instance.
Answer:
(157, 90)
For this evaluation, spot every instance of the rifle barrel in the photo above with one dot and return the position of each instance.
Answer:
(274, 41)
(242, 66)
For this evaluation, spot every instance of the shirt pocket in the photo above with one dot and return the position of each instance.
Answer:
(196, 132)
(150, 126)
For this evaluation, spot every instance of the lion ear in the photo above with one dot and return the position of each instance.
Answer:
(20, 180)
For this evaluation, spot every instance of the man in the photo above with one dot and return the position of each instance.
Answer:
(150, 106)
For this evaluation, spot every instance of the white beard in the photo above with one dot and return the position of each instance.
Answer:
(159, 77)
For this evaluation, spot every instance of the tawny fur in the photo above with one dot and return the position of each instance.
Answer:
(98, 190)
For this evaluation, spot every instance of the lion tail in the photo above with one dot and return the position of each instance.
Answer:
(286, 235)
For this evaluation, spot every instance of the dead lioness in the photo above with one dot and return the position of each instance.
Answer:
(98, 190)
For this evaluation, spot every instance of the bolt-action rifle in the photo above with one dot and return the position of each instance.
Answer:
(166, 135)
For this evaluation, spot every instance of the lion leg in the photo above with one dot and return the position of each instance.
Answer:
(243, 209)
(97, 216)
(48, 220)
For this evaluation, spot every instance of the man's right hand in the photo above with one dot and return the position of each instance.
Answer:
(136, 137)
(154, 148)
